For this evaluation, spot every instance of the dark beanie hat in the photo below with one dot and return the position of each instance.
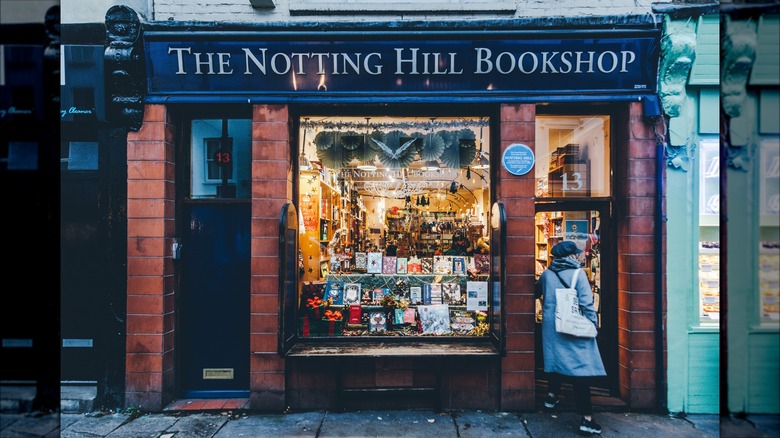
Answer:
(565, 248)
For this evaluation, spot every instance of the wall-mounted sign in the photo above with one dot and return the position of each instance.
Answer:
(518, 159)
(324, 64)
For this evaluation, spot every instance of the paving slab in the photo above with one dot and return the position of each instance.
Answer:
(145, 426)
(31, 425)
(613, 424)
(479, 424)
(94, 426)
(272, 425)
(198, 425)
(413, 424)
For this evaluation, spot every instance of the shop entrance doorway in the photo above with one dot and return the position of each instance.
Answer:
(588, 224)
(213, 331)
(214, 257)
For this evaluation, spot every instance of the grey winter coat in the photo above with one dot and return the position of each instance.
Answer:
(565, 354)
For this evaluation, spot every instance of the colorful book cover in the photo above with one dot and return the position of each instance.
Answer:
(377, 322)
(352, 293)
(361, 260)
(482, 263)
(436, 293)
(459, 265)
(398, 316)
(401, 265)
(380, 293)
(462, 321)
(451, 293)
(374, 263)
(355, 313)
(415, 294)
(409, 316)
(334, 290)
(388, 264)
(426, 265)
(414, 266)
(435, 319)
(442, 265)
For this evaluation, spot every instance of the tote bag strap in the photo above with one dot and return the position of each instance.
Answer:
(574, 283)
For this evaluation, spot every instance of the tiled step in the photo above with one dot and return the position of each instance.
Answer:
(77, 399)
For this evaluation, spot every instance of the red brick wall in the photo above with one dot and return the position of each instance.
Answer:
(150, 227)
(635, 172)
(271, 189)
(517, 194)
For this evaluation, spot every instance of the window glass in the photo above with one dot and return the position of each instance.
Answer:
(769, 249)
(709, 232)
(572, 156)
(394, 226)
(221, 158)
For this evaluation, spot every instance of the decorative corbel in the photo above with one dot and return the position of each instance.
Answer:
(738, 52)
(124, 66)
(678, 51)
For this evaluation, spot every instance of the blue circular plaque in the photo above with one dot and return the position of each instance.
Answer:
(518, 159)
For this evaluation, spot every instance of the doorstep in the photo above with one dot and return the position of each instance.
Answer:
(208, 404)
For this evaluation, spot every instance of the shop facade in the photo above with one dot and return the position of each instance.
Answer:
(268, 166)
(749, 113)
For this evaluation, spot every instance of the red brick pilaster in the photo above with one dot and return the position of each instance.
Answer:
(636, 190)
(271, 189)
(150, 227)
(517, 195)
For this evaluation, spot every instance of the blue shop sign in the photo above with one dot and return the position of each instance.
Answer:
(318, 65)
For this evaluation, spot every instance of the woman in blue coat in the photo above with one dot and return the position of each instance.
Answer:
(566, 355)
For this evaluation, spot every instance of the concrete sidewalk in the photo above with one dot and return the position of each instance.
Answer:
(407, 423)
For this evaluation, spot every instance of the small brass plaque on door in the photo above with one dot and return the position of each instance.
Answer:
(218, 373)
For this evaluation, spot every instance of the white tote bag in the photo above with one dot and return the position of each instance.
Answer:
(568, 315)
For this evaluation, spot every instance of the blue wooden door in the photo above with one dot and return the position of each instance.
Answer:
(213, 324)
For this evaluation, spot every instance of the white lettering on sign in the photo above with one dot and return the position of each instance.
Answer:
(408, 61)
(553, 62)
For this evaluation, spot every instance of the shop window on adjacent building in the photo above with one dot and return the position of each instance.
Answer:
(572, 156)
(769, 249)
(709, 234)
(394, 226)
(221, 158)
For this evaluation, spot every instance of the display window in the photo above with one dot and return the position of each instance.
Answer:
(709, 232)
(394, 226)
(769, 248)
(573, 156)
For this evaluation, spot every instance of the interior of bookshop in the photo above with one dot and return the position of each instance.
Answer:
(394, 226)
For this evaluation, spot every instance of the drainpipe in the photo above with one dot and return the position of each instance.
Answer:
(660, 219)
(654, 115)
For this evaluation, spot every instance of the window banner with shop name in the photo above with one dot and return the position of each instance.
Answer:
(181, 63)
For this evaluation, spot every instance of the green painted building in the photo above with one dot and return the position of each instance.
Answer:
(719, 89)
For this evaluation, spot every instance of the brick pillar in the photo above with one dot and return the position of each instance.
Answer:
(150, 227)
(517, 194)
(635, 187)
(271, 188)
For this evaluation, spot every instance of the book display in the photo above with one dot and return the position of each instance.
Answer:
(581, 227)
(394, 217)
